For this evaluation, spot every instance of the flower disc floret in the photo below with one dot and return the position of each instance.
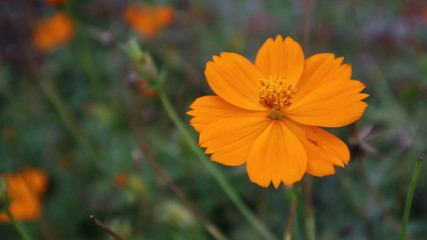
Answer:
(276, 95)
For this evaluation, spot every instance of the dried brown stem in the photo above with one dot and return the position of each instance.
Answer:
(106, 229)
(308, 197)
(289, 224)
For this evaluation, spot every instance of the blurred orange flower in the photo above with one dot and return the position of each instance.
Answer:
(148, 20)
(56, 2)
(25, 190)
(143, 87)
(121, 179)
(53, 32)
(266, 114)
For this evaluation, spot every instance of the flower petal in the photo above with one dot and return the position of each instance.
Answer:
(36, 180)
(321, 69)
(164, 15)
(277, 155)
(324, 150)
(229, 140)
(326, 96)
(283, 58)
(332, 106)
(235, 79)
(25, 203)
(209, 109)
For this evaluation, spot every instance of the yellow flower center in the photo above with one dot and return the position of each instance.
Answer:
(276, 94)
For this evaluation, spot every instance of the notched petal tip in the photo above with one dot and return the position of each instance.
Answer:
(339, 60)
(263, 184)
(209, 65)
(279, 38)
(290, 39)
(215, 58)
(276, 184)
(190, 113)
(327, 171)
(228, 54)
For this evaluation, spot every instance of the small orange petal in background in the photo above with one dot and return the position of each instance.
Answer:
(121, 179)
(143, 87)
(164, 15)
(56, 3)
(53, 32)
(148, 20)
(25, 190)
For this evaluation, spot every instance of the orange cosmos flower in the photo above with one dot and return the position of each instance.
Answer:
(52, 32)
(266, 114)
(25, 190)
(148, 20)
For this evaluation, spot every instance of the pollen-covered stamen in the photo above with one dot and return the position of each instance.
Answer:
(276, 94)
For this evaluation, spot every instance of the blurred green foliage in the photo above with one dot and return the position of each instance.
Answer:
(67, 112)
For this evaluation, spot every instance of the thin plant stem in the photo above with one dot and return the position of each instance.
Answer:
(19, 227)
(308, 193)
(85, 54)
(291, 217)
(210, 227)
(87, 58)
(410, 197)
(301, 211)
(66, 116)
(217, 175)
(377, 197)
(106, 229)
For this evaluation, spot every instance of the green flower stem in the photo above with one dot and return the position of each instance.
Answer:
(88, 62)
(311, 232)
(300, 209)
(410, 197)
(311, 226)
(84, 52)
(305, 220)
(19, 227)
(218, 176)
(65, 114)
(292, 212)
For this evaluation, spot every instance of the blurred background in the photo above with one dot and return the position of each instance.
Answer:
(69, 94)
